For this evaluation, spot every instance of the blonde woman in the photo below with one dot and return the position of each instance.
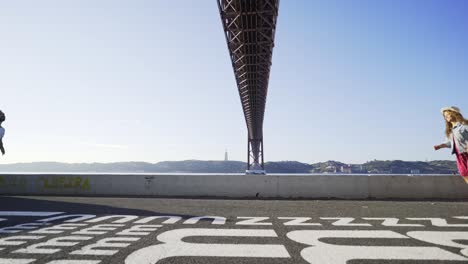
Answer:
(456, 131)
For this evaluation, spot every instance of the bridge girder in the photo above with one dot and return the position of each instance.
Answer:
(249, 27)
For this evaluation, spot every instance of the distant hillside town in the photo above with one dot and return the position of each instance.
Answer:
(388, 167)
(226, 166)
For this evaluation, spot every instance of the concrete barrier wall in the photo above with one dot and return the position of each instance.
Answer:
(343, 186)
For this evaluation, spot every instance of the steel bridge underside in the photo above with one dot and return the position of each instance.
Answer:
(249, 27)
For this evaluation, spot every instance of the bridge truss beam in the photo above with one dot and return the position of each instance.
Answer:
(249, 27)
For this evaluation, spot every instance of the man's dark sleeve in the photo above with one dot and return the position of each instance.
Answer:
(1, 146)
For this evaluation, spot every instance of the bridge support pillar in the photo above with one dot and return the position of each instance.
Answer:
(255, 164)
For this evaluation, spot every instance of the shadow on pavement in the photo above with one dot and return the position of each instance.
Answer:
(11, 205)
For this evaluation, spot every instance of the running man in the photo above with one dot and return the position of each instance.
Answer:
(2, 132)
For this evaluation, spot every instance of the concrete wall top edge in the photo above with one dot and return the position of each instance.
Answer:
(224, 174)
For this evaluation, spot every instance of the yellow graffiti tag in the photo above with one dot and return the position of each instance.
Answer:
(62, 182)
(12, 181)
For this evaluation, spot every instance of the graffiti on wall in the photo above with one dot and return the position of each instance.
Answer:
(64, 182)
(12, 181)
(46, 182)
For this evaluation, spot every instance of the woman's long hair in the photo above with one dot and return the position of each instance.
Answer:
(448, 125)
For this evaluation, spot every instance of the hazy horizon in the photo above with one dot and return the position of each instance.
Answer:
(136, 161)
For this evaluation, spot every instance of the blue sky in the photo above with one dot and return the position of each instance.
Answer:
(108, 80)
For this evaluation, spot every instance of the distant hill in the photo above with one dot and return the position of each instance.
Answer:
(200, 166)
(287, 167)
(403, 167)
(191, 166)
